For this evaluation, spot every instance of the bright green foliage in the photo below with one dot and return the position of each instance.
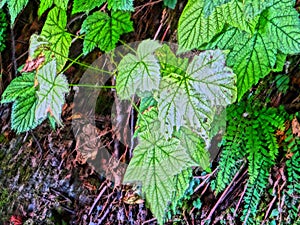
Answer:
(170, 3)
(14, 7)
(139, 73)
(163, 163)
(52, 90)
(46, 4)
(293, 176)
(2, 3)
(251, 134)
(104, 31)
(124, 5)
(54, 31)
(270, 26)
(85, 5)
(21, 92)
(209, 6)
(31, 104)
(3, 27)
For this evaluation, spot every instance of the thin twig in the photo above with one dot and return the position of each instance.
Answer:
(149, 221)
(224, 194)
(97, 199)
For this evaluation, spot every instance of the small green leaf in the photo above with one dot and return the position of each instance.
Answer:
(62, 4)
(124, 5)
(60, 40)
(209, 6)
(170, 3)
(19, 87)
(51, 92)
(139, 74)
(255, 7)
(85, 5)
(15, 7)
(103, 31)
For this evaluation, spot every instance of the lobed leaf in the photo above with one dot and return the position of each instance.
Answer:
(15, 7)
(60, 40)
(20, 87)
(125, 5)
(85, 6)
(103, 31)
(51, 92)
(140, 73)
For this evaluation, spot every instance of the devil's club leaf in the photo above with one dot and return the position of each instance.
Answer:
(139, 73)
(19, 87)
(155, 163)
(60, 40)
(15, 7)
(51, 92)
(85, 5)
(125, 5)
(103, 31)
(190, 99)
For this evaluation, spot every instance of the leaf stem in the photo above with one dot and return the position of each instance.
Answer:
(91, 86)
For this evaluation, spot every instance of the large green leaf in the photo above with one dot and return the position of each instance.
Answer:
(252, 59)
(194, 28)
(15, 7)
(255, 7)
(85, 5)
(52, 90)
(156, 162)
(125, 5)
(283, 26)
(46, 4)
(60, 40)
(23, 113)
(20, 87)
(103, 31)
(139, 73)
(210, 5)
(190, 99)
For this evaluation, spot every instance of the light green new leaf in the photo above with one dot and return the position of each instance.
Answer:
(85, 5)
(23, 113)
(52, 90)
(62, 4)
(15, 7)
(190, 99)
(155, 163)
(103, 31)
(251, 59)
(60, 40)
(194, 29)
(124, 5)
(20, 87)
(283, 25)
(139, 74)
